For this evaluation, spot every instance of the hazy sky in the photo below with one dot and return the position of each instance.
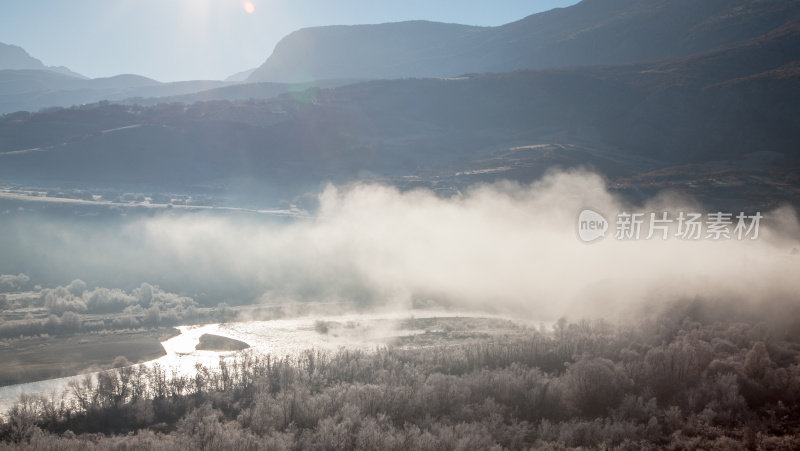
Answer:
(208, 39)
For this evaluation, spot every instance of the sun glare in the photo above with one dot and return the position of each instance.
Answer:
(249, 7)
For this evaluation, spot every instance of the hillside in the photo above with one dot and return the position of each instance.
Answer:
(588, 33)
(32, 90)
(14, 57)
(391, 50)
(620, 120)
(239, 91)
(592, 32)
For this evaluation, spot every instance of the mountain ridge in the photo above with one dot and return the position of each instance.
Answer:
(401, 40)
(32, 89)
(591, 32)
(15, 57)
(621, 120)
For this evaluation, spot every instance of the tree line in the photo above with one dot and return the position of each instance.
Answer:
(672, 382)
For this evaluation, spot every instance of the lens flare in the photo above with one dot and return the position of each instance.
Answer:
(249, 7)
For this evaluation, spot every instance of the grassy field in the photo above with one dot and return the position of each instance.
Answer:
(38, 358)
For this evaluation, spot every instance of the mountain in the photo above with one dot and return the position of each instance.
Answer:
(31, 90)
(238, 91)
(588, 33)
(391, 50)
(28, 85)
(13, 57)
(241, 76)
(711, 114)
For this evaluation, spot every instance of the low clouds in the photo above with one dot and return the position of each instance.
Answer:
(504, 247)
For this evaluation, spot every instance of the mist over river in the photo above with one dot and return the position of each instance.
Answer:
(275, 337)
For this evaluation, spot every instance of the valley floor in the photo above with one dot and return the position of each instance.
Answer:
(39, 358)
(694, 376)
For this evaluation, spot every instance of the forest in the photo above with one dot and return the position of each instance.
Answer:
(694, 374)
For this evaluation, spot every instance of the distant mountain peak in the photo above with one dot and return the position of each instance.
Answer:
(388, 50)
(589, 33)
(16, 58)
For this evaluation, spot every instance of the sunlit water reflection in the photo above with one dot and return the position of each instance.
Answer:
(276, 337)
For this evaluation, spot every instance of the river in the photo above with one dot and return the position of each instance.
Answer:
(277, 337)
